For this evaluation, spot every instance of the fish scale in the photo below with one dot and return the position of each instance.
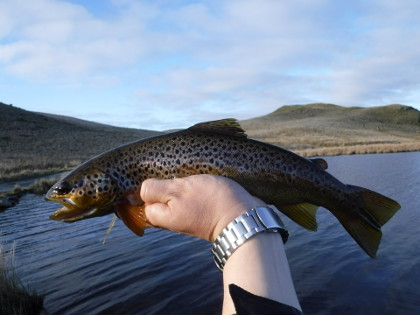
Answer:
(295, 185)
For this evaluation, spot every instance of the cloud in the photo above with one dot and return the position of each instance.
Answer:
(49, 40)
(189, 61)
(381, 66)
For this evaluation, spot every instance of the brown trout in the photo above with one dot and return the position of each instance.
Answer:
(295, 185)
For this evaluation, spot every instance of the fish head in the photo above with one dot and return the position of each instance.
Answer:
(84, 193)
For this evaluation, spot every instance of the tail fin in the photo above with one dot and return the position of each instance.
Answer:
(363, 221)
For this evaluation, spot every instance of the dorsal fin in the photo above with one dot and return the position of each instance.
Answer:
(320, 162)
(228, 127)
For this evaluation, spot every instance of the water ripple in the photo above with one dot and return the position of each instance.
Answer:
(164, 272)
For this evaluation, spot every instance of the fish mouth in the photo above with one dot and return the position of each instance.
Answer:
(71, 212)
(68, 215)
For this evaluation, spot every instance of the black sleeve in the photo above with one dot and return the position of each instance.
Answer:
(247, 303)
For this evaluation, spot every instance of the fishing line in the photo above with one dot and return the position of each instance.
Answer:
(111, 225)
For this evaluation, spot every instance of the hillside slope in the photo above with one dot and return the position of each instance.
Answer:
(327, 129)
(35, 143)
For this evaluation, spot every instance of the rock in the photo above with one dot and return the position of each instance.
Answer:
(8, 201)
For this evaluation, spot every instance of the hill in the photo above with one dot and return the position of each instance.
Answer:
(36, 143)
(327, 129)
(33, 144)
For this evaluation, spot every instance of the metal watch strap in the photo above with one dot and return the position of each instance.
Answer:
(256, 220)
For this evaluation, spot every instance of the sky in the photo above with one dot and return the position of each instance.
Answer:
(169, 64)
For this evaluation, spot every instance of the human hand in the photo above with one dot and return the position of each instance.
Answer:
(198, 205)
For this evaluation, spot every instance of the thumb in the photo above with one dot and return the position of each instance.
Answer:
(158, 215)
(155, 190)
(156, 194)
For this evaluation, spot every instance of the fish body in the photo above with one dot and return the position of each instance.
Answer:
(295, 185)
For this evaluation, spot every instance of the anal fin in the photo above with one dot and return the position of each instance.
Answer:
(302, 213)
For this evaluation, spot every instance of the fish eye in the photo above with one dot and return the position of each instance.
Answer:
(63, 188)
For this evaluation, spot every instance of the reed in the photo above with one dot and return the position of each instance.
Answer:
(38, 187)
(15, 297)
(18, 168)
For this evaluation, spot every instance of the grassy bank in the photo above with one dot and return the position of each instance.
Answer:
(15, 298)
(35, 144)
(38, 187)
(361, 149)
(324, 129)
(20, 168)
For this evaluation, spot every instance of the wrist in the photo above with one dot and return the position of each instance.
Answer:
(260, 219)
(232, 213)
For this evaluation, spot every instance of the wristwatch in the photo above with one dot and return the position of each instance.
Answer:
(248, 224)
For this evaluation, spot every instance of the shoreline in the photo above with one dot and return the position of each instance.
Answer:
(40, 184)
(38, 174)
(360, 149)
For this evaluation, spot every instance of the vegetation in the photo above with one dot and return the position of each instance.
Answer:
(326, 129)
(38, 187)
(34, 144)
(15, 298)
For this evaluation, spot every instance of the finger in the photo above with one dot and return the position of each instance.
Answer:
(155, 190)
(158, 215)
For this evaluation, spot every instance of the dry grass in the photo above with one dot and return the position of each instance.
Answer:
(362, 149)
(321, 129)
(33, 144)
(13, 169)
(39, 187)
(15, 298)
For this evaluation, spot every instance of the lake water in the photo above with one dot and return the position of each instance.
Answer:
(168, 273)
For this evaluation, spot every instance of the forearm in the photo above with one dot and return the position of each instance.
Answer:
(202, 206)
(260, 266)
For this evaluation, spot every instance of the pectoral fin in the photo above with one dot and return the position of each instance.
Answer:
(133, 217)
